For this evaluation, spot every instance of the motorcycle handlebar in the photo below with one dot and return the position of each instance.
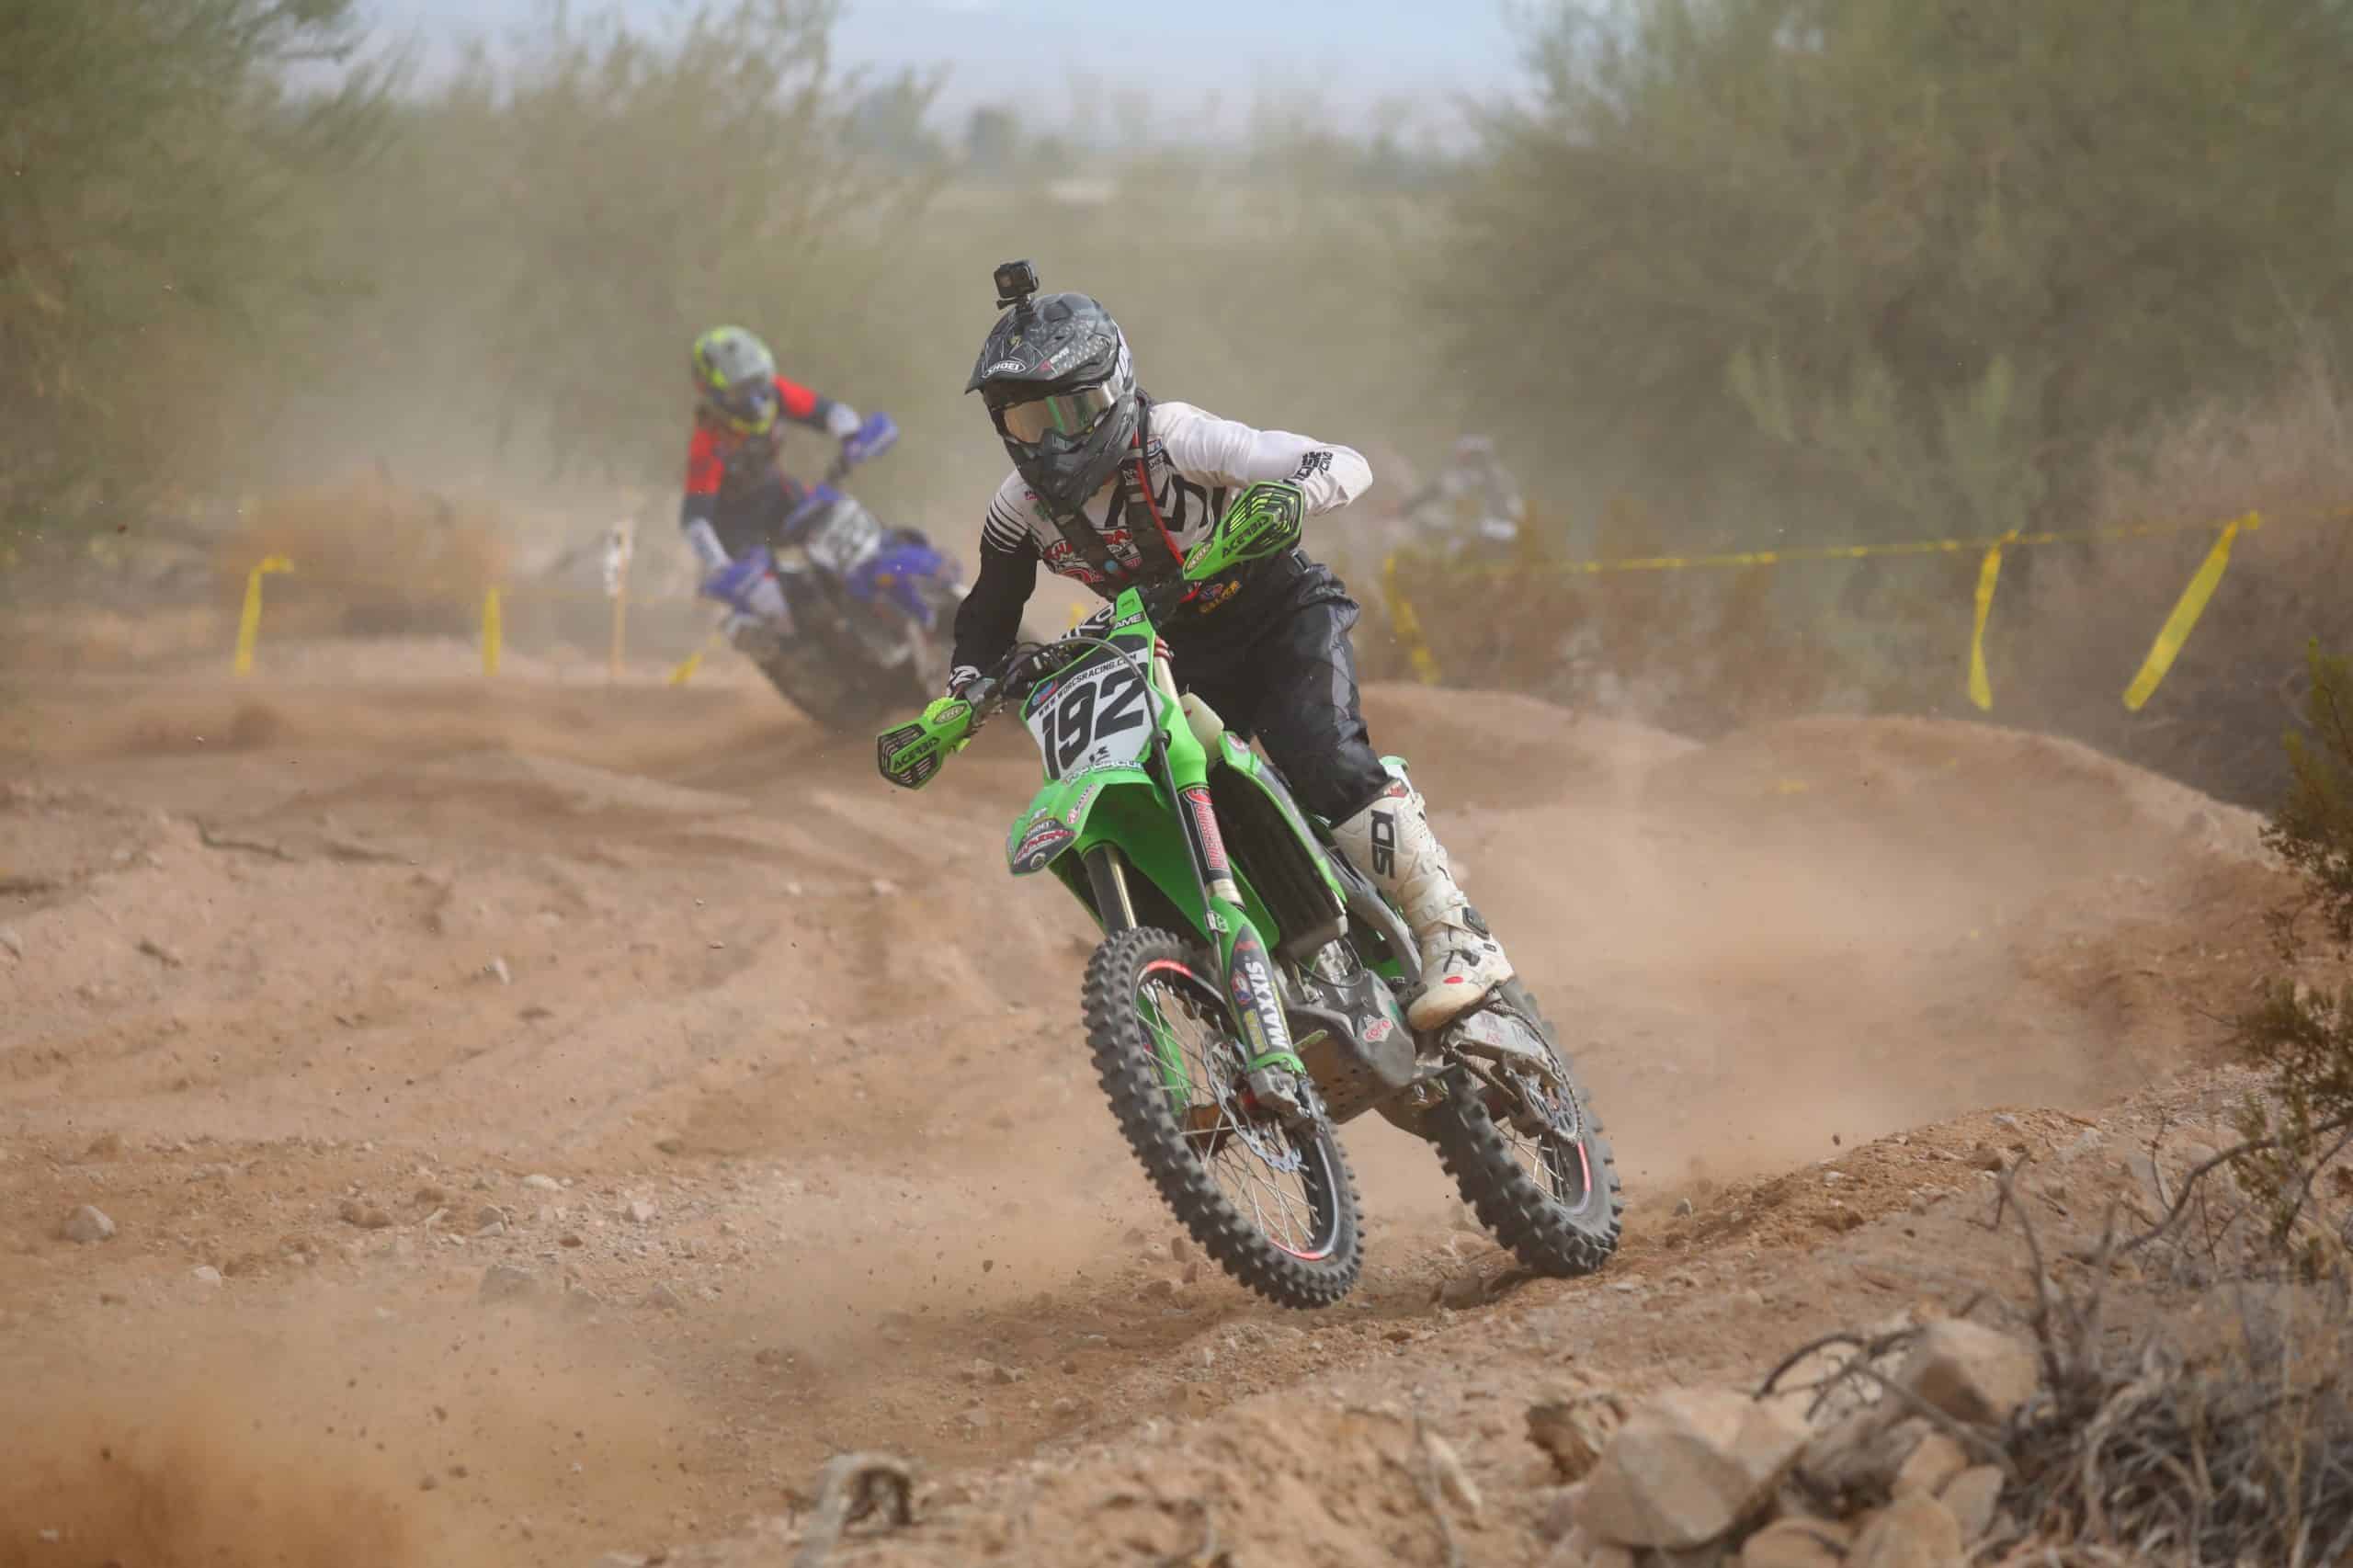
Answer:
(1015, 673)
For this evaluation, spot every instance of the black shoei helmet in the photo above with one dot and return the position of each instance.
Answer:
(1059, 387)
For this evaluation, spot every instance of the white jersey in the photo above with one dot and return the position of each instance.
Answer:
(1192, 461)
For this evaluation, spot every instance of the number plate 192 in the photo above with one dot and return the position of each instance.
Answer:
(1096, 720)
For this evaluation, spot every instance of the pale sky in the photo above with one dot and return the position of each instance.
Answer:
(1342, 53)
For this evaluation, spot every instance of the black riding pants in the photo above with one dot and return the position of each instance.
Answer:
(1281, 671)
(753, 515)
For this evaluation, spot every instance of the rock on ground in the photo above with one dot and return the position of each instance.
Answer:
(86, 1226)
(1557, 1518)
(1971, 1498)
(1912, 1532)
(1689, 1466)
(1935, 1461)
(1971, 1372)
(505, 1282)
(1452, 1479)
(1797, 1544)
(1574, 1432)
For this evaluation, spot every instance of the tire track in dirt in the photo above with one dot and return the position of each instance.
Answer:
(839, 1176)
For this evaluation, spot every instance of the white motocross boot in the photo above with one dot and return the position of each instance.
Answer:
(1392, 841)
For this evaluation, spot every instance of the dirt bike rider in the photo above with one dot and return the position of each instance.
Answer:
(1108, 486)
(738, 493)
(1472, 506)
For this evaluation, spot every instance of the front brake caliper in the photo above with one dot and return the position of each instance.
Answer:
(1278, 1090)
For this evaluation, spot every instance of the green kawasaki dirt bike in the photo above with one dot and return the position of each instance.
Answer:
(1247, 995)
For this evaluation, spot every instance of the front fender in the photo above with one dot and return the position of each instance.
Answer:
(1057, 816)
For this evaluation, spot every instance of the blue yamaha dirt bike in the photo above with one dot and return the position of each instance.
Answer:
(868, 608)
(1248, 993)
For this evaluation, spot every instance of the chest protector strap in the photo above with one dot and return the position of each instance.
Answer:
(1134, 494)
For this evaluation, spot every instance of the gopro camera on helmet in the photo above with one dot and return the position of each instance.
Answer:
(1016, 282)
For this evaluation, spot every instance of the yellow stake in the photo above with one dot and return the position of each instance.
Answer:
(2176, 630)
(249, 618)
(1980, 689)
(490, 632)
(693, 662)
(620, 549)
(621, 629)
(1408, 625)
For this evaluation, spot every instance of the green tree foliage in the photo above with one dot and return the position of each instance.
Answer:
(586, 214)
(156, 227)
(1909, 260)
(487, 280)
(2304, 1034)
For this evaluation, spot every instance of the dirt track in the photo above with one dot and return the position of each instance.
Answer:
(314, 974)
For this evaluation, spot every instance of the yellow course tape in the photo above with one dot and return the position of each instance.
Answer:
(2176, 630)
(491, 636)
(1407, 624)
(2168, 644)
(249, 618)
(1867, 551)
(1980, 689)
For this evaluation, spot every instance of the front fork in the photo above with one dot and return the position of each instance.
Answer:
(1277, 1077)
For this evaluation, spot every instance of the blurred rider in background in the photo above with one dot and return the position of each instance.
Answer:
(1471, 508)
(738, 493)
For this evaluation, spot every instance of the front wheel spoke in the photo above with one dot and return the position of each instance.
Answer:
(1255, 1173)
(1245, 1183)
(1282, 1196)
(1238, 1154)
(1249, 1195)
(1282, 1199)
(1299, 1223)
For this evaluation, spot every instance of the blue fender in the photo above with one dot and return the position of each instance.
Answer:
(897, 574)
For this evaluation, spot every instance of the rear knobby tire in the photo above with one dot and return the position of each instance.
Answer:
(1553, 1228)
(1125, 1060)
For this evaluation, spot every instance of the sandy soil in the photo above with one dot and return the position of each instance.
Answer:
(594, 1108)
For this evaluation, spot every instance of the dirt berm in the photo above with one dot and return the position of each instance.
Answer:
(538, 1120)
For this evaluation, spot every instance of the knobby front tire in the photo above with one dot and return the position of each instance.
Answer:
(1277, 1207)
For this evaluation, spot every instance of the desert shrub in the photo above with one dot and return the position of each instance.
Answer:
(2161, 1430)
(2299, 1031)
(2082, 619)
(1700, 651)
(161, 235)
(1898, 269)
(2152, 1447)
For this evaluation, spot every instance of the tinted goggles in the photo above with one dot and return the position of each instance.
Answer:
(1069, 413)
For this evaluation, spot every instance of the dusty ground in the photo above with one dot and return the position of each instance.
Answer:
(365, 983)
